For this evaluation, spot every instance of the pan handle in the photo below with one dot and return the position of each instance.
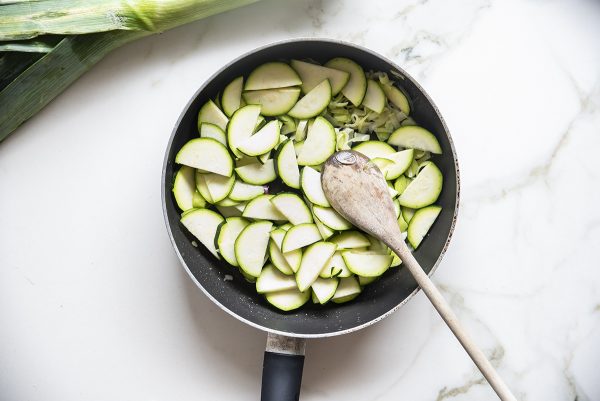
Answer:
(282, 368)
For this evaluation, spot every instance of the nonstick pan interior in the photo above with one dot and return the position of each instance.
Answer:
(238, 297)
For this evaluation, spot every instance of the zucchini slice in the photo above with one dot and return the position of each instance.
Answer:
(232, 96)
(324, 288)
(366, 280)
(347, 290)
(313, 74)
(262, 208)
(319, 144)
(356, 87)
(273, 102)
(206, 154)
(315, 257)
(374, 97)
(331, 218)
(424, 189)
(227, 202)
(211, 113)
(243, 192)
(257, 173)
(197, 199)
(292, 258)
(251, 247)
(278, 259)
(313, 103)
(397, 97)
(312, 188)
(288, 300)
(375, 149)
(241, 126)
(287, 164)
(396, 207)
(421, 223)
(300, 236)
(336, 267)
(262, 141)
(407, 214)
(401, 162)
(293, 208)
(226, 236)
(203, 224)
(184, 188)
(208, 130)
(272, 75)
(202, 188)
(218, 186)
(271, 280)
(401, 183)
(325, 231)
(415, 137)
(350, 240)
(367, 263)
(402, 224)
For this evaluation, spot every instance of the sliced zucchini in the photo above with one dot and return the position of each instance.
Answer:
(227, 202)
(184, 187)
(212, 114)
(324, 288)
(272, 75)
(273, 102)
(424, 189)
(415, 137)
(366, 280)
(393, 193)
(312, 188)
(396, 261)
(218, 186)
(206, 154)
(313, 74)
(287, 164)
(226, 236)
(407, 214)
(397, 97)
(293, 208)
(188, 211)
(286, 226)
(347, 290)
(401, 162)
(202, 187)
(203, 224)
(331, 218)
(421, 223)
(374, 97)
(313, 103)
(257, 173)
(401, 183)
(367, 263)
(350, 240)
(288, 300)
(402, 224)
(251, 247)
(198, 200)
(232, 96)
(374, 149)
(262, 141)
(262, 208)
(336, 267)
(262, 159)
(301, 130)
(382, 164)
(292, 258)
(242, 191)
(356, 87)
(300, 236)
(319, 144)
(325, 231)
(241, 126)
(208, 130)
(278, 259)
(229, 211)
(271, 280)
(315, 257)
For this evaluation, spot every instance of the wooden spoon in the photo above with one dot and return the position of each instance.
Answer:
(357, 190)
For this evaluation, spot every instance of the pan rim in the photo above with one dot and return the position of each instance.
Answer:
(164, 195)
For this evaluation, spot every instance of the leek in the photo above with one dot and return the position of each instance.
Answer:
(45, 45)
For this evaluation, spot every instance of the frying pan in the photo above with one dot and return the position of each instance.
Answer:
(287, 331)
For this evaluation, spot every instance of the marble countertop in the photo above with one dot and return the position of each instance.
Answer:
(94, 304)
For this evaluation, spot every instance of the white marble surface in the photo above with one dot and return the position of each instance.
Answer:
(93, 303)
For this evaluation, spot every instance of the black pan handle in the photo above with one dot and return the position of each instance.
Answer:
(282, 368)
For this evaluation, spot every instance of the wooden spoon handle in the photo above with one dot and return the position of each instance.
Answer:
(441, 305)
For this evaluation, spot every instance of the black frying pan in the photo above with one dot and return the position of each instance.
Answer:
(284, 358)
